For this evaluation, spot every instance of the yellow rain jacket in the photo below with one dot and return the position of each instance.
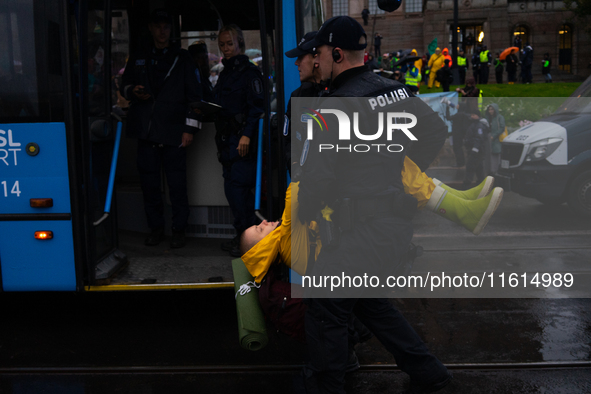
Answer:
(290, 241)
(435, 62)
(418, 63)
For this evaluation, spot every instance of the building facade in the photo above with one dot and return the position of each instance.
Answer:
(499, 24)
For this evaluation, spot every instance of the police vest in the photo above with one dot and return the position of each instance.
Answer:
(484, 56)
(410, 80)
(480, 100)
(461, 61)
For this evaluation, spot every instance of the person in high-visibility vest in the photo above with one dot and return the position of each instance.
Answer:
(413, 78)
(484, 64)
(462, 66)
(499, 68)
(546, 63)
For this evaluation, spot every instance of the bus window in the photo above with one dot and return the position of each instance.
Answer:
(18, 74)
(309, 16)
(119, 55)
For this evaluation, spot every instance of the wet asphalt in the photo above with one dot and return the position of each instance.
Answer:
(188, 330)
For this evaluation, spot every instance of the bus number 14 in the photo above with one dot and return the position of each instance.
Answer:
(15, 189)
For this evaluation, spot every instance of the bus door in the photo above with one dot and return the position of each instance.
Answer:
(99, 125)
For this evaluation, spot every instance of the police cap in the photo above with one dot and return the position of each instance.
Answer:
(160, 15)
(298, 51)
(340, 31)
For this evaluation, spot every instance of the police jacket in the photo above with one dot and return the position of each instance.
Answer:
(477, 136)
(169, 77)
(329, 175)
(239, 90)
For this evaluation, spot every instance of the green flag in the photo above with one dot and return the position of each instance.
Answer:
(432, 46)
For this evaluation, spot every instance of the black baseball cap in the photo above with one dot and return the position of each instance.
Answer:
(340, 31)
(298, 51)
(160, 15)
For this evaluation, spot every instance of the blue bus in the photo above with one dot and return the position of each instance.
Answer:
(71, 209)
(71, 216)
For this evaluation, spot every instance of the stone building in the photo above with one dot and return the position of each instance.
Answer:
(495, 23)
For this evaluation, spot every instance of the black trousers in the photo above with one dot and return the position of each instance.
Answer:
(462, 71)
(239, 180)
(371, 248)
(327, 337)
(151, 158)
(499, 76)
(458, 134)
(484, 74)
(512, 76)
(474, 167)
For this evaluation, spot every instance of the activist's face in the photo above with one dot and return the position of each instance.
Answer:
(256, 233)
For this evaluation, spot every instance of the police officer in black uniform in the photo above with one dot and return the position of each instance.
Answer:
(198, 51)
(160, 83)
(311, 87)
(379, 231)
(239, 90)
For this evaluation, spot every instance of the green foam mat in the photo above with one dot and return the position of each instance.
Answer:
(252, 332)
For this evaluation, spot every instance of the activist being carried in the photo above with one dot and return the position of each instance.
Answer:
(470, 208)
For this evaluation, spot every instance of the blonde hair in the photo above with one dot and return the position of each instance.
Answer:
(234, 31)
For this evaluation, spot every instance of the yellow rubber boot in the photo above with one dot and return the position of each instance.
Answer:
(475, 193)
(473, 215)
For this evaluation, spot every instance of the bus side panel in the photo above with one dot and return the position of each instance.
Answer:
(33, 165)
(24, 176)
(29, 264)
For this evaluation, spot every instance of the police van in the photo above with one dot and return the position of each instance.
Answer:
(550, 160)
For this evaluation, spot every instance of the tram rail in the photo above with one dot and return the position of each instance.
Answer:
(544, 365)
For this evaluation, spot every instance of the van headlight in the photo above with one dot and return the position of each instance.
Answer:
(541, 149)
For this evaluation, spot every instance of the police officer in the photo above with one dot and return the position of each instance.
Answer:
(476, 64)
(462, 65)
(198, 51)
(485, 59)
(311, 87)
(161, 84)
(239, 90)
(379, 233)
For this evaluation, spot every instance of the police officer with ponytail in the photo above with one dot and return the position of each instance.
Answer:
(239, 90)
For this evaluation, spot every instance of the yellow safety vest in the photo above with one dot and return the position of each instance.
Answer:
(412, 81)
(461, 61)
(484, 56)
(480, 100)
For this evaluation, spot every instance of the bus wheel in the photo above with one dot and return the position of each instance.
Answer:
(579, 195)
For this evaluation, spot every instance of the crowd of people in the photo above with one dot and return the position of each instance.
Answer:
(435, 69)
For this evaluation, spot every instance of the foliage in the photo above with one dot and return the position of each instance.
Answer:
(556, 89)
(519, 110)
(581, 9)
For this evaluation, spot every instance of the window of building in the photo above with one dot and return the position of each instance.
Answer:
(413, 6)
(565, 48)
(520, 36)
(469, 37)
(374, 9)
(340, 7)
